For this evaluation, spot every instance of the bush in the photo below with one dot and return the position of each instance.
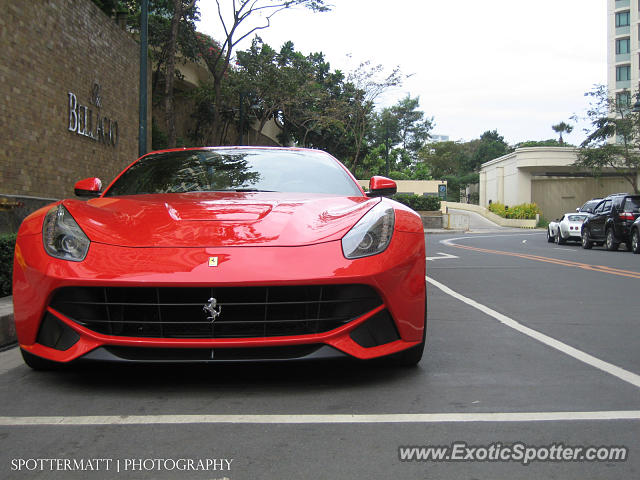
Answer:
(525, 211)
(7, 245)
(543, 223)
(498, 209)
(418, 202)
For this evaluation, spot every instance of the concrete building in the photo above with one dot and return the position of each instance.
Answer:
(438, 138)
(545, 176)
(623, 49)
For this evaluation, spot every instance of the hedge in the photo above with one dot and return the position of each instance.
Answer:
(524, 211)
(418, 202)
(7, 245)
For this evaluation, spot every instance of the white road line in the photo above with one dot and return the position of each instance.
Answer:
(449, 240)
(319, 419)
(607, 367)
(441, 256)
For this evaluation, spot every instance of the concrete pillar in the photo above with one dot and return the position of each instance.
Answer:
(483, 189)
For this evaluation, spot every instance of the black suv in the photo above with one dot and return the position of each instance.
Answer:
(611, 221)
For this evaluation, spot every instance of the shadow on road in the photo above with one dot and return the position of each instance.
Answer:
(333, 374)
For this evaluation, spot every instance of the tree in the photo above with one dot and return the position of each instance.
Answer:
(171, 34)
(368, 84)
(403, 130)
(445, 159)
(613, 140)
(552, 142)
(560, 128)
(413, 127)
(458, 163)
(236, 30)
(490, 145)
(180, 11)
(317, 111)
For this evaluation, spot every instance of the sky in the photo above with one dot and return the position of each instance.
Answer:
(511, 65)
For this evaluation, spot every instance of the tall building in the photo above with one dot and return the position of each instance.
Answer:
(440, 138)
(623, 49)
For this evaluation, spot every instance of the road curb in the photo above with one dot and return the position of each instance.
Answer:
(7, 326)
(442, 231)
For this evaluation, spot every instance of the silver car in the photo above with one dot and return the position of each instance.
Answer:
(566, 228)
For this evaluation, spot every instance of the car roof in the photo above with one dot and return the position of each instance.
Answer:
(616, 194)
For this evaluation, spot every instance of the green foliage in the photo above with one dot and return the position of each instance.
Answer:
(524, 211)
(491, 145)
(444, 158)
(498, 209)
(418, 202)
(457, 182)
(7, 246)
(398, 175)
(159, 26)
(110, 6)
(158, 137)
(411, 127)
(613, 141)
(542, 223)
(403, 130)
(552, 142)
(459, 159)
(560, 128)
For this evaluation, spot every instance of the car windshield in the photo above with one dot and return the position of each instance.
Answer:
(235, 170)
(589, 206)
(577, 218)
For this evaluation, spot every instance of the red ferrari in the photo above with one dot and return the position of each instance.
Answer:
(222, 254)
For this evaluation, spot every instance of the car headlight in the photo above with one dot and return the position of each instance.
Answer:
(371, 235)
(62, 236)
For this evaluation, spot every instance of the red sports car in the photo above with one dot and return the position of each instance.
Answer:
(222, 254)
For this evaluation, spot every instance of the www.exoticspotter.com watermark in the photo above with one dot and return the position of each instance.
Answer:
(514, 452)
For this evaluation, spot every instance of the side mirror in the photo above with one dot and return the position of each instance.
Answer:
(381, 187)
(578, 209)
(89, 187)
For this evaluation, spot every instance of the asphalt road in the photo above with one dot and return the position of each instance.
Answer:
(548, 354)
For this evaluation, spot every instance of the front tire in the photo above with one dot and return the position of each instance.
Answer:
(413, 355)
(549, 237)
(635, 242)
(586, 241)
(611, 243)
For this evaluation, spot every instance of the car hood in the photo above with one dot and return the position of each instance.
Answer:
(213, 219)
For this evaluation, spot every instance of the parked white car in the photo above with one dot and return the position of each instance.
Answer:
(567, 227)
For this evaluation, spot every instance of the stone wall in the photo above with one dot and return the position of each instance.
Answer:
(62, 61)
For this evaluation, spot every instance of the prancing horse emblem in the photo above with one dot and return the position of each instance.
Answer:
(210, 308)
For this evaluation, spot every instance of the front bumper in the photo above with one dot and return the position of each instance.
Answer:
(397, 275)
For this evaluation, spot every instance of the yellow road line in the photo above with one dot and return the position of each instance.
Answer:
(556, 261)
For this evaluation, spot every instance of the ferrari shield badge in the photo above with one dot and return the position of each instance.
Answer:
(213, 261)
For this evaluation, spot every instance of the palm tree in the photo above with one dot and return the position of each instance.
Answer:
(562, 127)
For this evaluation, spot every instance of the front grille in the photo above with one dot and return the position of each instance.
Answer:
(245, 311)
